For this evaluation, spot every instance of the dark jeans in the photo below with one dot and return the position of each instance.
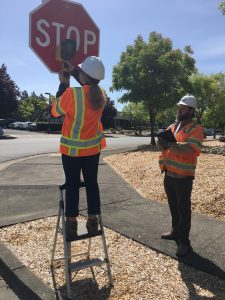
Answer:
(72, 168)
(178, 193)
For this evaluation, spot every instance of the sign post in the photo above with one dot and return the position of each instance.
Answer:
(57, 20)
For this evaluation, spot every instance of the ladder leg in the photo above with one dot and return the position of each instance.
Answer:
(67, 253)
(56, 235)
(105, 251)
(88, 257)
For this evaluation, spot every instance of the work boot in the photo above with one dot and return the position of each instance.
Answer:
(169, 236)
(92, 226)
(71, 230)
(183, 250)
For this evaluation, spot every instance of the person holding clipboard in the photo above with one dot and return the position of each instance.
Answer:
(181, 145)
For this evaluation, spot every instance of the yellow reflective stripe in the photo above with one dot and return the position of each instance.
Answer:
(191, 128)
(194, 141)
(73, 151)
(81, 143)
(181, 165)
(78, 94)
(58, 107)
(75, 109)
(83, 110)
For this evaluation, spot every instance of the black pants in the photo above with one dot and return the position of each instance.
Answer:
(178, 193)
(72, 168)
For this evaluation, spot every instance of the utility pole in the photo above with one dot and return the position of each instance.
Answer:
(49, 111)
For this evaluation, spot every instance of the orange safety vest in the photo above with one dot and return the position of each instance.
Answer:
(183, 163)
(82, 132)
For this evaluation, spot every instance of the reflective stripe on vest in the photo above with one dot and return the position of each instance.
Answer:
(73, 142)
(58, 108)
(182, 163)
(194, 141)
(79, 110)
(81, 143)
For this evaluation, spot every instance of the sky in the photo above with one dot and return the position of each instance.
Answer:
(198, 23)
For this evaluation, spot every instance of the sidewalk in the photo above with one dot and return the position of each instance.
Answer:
(123, 210)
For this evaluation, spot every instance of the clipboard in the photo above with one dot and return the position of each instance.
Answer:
(167, 135)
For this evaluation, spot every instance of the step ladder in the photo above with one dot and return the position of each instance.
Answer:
(82, 233)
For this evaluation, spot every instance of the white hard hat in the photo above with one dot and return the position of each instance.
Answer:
(93, 67)
(188, 100)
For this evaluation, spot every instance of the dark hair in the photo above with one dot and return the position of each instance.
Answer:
(193, 112)
(97, 96)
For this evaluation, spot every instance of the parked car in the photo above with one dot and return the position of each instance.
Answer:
(208, 131)
(219, 131)
(24, 125)
(32, 126)
(16, 125)
(4, 123)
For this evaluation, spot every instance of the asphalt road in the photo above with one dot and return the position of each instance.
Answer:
(26, 143)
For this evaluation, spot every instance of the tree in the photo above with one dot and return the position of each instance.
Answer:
(203, 87)
(9, 93)
(109, 113)
(165, 117)
(153, 73)
(221, 6)
(24, 95)
(138, 115)
(34, 108)
(215, 112)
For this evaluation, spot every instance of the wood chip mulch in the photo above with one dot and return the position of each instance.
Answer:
(138, 272)
(141, 170)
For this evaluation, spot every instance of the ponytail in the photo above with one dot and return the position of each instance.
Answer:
(97, 97)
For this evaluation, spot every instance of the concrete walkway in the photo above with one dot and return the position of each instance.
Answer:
(123, 210)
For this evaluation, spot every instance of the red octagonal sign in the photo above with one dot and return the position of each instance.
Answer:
(56, 20)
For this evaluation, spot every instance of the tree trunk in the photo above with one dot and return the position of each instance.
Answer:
(152, 126)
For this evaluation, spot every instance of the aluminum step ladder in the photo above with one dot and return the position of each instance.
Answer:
(82, 233)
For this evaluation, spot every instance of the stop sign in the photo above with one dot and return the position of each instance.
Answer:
(56, 20)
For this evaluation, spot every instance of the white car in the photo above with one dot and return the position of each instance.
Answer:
(16, 125)
(32, 126)
(25, 125)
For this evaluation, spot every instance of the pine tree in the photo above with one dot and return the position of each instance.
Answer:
(109, 113)
(9, 93)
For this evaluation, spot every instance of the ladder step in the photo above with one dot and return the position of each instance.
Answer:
(84, 236)
(82, 232)
(86, 264)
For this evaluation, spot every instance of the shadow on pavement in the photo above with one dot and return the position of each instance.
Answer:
(7, 137)
(191, 281)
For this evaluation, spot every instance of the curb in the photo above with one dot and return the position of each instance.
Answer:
(7, 163)
(21, 280)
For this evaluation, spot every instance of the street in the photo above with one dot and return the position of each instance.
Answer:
(25, 143)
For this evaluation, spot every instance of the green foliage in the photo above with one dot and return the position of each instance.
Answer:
(166, 117)
(221, 6)
(9, 93)
(24, 95)
(152, 72)
(34, 108)
(136, 112)
(214, 115)
(203, 87)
